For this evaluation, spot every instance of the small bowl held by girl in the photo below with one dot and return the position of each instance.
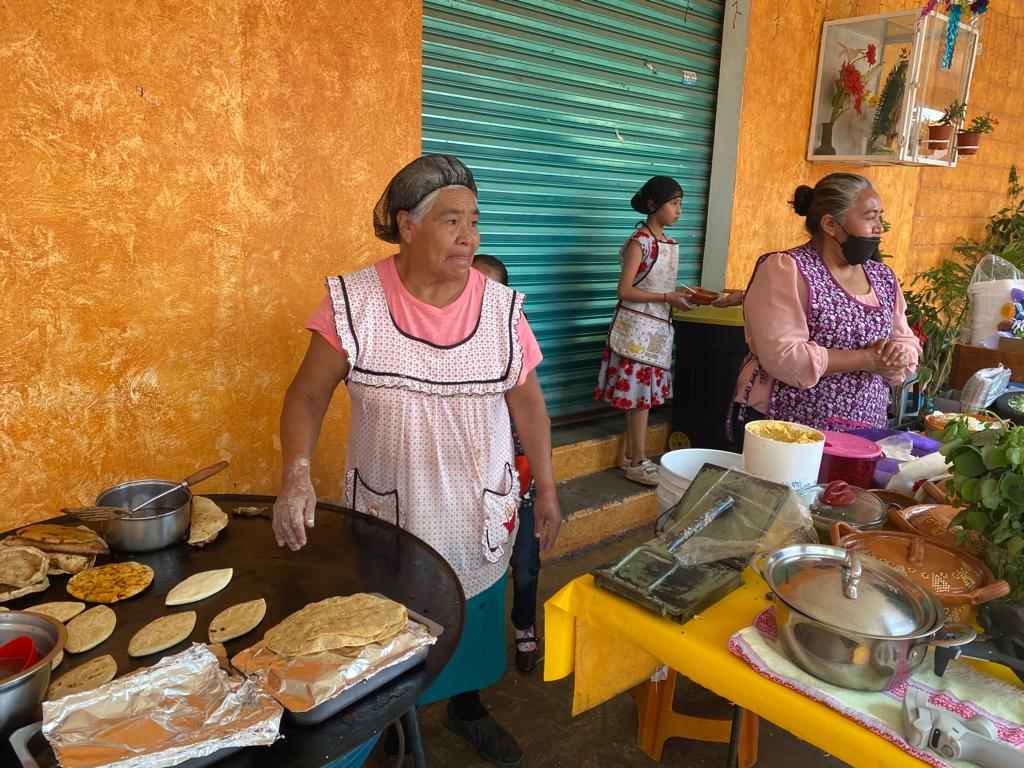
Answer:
(699, 296)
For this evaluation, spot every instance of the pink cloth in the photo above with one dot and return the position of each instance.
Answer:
(776, 330)
(438, 325)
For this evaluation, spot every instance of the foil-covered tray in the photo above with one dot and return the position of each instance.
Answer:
(313, 688)
(183, 708)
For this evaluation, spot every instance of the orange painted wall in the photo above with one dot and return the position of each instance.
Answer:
(175, 181)
(927, 208)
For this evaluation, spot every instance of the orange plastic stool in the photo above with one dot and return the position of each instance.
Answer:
(660, 722)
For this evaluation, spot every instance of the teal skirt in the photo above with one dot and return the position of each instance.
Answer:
(479, 658)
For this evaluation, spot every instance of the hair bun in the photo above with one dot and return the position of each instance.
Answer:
(638, 204)
(802, 199)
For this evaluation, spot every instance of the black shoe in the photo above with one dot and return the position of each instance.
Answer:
(526, 661)
(493, 743)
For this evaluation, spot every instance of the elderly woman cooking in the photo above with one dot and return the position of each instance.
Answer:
(825, 321)
(435, 357)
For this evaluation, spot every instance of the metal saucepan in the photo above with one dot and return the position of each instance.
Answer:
(21, 694)
(851, 620)
(149, 528)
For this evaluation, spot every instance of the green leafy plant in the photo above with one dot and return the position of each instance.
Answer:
(937, 303)
(982, 123)
(988, 480)
(953, 114)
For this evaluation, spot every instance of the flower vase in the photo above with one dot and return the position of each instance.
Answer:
(825, 145)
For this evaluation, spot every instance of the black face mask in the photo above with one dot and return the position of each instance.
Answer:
(856, 249)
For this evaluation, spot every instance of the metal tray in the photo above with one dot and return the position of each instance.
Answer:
(350, 695)
(20, 742)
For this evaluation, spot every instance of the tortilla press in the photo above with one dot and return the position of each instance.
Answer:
(1002, 643)
(953, 738)
(651, 574)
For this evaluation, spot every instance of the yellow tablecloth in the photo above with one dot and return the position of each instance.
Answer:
(612, 644)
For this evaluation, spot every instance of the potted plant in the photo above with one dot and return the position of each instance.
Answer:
(941, 131)
(988, 480)
(967, 141)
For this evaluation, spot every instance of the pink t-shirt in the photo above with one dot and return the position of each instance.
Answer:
(776, 330)
(438, 325)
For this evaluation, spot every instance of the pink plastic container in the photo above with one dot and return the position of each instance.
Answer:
(850, 458)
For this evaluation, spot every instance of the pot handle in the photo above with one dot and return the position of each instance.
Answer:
(932, 489)
(852, 572)
(205, 474)
(989, 592)
(838, 530)
(915, 551)
(951, 635)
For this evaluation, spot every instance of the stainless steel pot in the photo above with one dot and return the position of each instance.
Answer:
(851, 620)
(149, 528)
(21, 695)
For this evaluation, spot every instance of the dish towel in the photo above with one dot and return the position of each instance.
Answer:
(963, 690)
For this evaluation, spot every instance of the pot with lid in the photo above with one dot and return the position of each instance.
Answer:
(840, 501)
(850, 620)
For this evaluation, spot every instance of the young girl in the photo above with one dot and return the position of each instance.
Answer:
(635, 373)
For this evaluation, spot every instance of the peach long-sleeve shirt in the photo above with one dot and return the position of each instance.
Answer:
(775, 325)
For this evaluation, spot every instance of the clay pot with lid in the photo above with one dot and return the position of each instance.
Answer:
(957, 579)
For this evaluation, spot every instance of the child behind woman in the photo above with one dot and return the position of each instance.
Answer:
(525, 562)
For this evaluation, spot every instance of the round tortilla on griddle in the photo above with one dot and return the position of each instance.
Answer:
(63, 611)
(110, 583)
(237, 620)
(162, 633)
(22, 572)
(199, 586)
(92, 674)
(89, 629)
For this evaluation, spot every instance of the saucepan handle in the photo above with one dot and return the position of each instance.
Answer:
(954, 634)
(989, 592)
(839, 529)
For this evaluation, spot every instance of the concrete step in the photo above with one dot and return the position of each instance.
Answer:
(599, 506)
(583, 448)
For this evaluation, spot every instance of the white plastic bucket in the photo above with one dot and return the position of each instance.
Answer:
(792, 464)
(678, 468)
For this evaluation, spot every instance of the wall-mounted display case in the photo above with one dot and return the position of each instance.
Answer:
(882, 80)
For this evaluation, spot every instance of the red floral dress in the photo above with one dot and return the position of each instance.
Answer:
(625, 383)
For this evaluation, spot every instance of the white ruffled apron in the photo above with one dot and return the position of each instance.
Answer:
(430, 441)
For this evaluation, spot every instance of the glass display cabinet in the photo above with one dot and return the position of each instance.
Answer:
(883, 81)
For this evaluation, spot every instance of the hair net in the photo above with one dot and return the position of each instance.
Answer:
(413, 183)
(660, 189)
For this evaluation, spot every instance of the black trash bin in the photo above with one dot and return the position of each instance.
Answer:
(710, 349)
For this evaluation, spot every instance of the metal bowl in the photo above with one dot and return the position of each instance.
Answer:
(21, 695)
(151, 527)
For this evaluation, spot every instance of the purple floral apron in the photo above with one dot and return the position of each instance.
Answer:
(837, 320)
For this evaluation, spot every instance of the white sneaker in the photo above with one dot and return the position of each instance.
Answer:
(646, 473)
(624, 462)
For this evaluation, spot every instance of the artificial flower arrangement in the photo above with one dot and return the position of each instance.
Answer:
(851, 86)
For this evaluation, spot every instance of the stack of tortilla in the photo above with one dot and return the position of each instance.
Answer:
(69, 549)
(22, 572)
(341, 624)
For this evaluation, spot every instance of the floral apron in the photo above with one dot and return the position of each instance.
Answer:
(430, 440)
(643, 332)
(837, 320)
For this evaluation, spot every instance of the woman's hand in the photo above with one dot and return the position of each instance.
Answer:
(295, 507)
(729, 299)
(547, 519)
(889, 359)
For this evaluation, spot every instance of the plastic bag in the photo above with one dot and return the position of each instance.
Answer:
(991, 298)
(984, 387)
(923, 468)
(723, 530)
(899, 446)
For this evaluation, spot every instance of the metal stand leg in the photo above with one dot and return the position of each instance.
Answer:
(742, 739)
(414, 746)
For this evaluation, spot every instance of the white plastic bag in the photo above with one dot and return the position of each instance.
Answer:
(989, 292)
(984, 387)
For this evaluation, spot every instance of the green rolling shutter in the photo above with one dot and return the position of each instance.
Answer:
(562, 109)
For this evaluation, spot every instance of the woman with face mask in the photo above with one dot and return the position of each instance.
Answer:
(825, 321)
